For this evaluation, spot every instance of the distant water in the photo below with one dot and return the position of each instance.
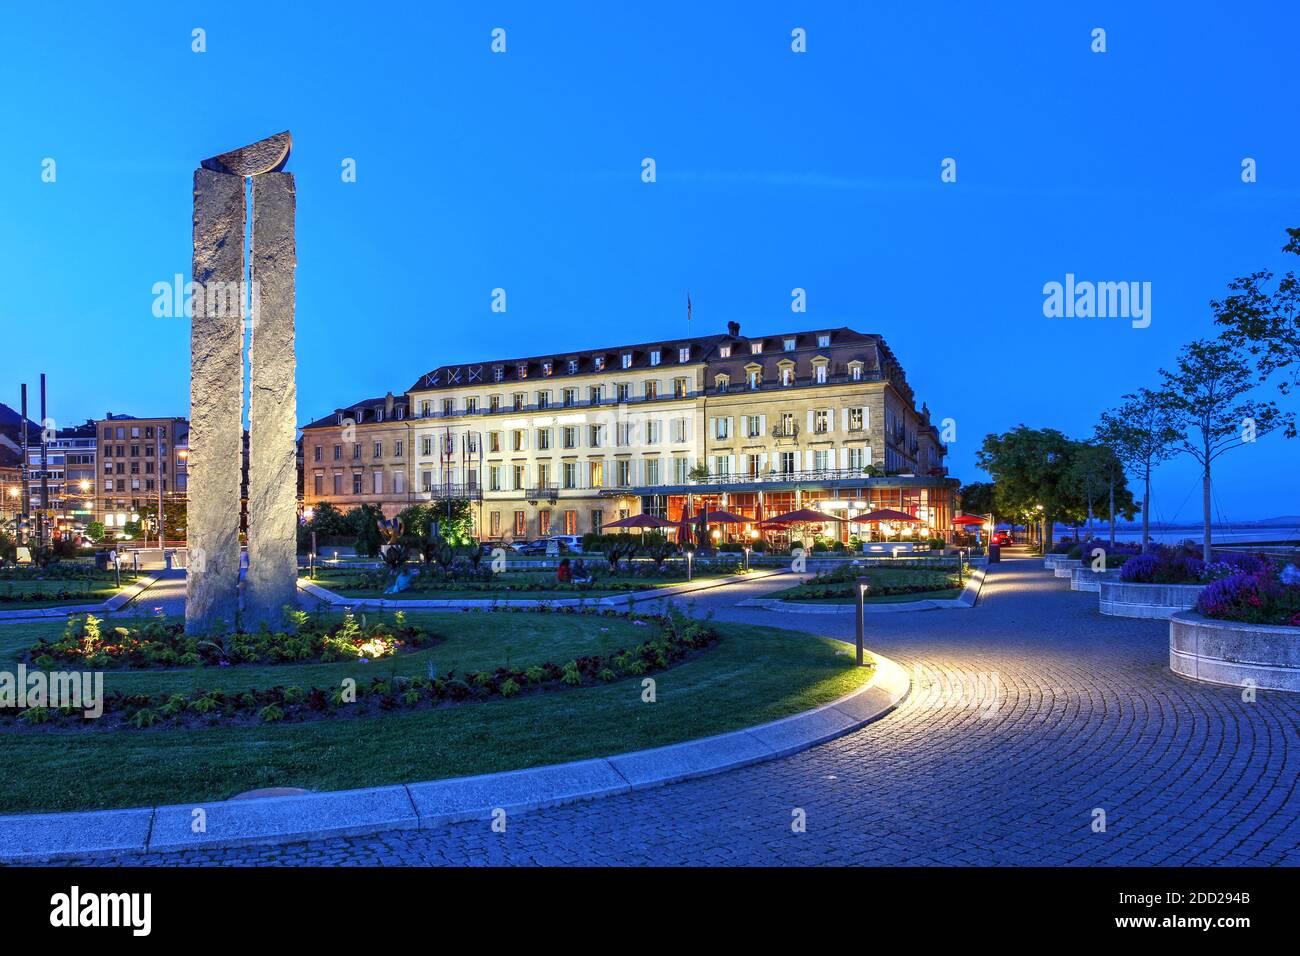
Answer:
(1218, 535)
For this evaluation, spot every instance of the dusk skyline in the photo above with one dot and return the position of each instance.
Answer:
(523, 171)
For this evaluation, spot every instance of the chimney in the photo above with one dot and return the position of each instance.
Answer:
(388, 405)
(733, 329)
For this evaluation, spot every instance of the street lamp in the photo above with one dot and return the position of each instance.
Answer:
(861, 591)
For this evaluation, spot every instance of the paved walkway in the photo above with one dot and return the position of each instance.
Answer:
(1029, 715)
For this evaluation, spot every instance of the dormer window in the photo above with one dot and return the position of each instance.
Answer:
(684, 353)
(379, 414)
(599, 363)
(498, 373)
(627, 359)
(722, 382)
(824, 340)
(339, 419)
(754, 376)
(820, 365)
(573, 366)
(654, 357)
(724, 351)
(401, 412)
(521, 370)
(787, 372)
(546, 368)
(788, 345)
(755, 348)
(855, 371)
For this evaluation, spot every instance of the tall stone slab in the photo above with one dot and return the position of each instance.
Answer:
(271, 582)
(216, 404)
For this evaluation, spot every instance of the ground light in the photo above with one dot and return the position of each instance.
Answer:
(747, 550)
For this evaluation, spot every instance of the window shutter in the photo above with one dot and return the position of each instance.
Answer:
(762, 425)
(809, 458)
(844, 419)
(810, 421)
(866, 456)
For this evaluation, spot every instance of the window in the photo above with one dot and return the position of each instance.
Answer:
(855, 371)
(399, 447)
(546, 368)
(821, 421)
(494, 403)
(788, 345)
(318, 485)
(494, 441)
(679, 429)
(426, 480)
(498, 373)
(520, 477)
(598, 363)
(543, 475)
(571, 522)
(356, 451)
(449, 406)
(684, 353)
(680, 471)
(596, 394)
(722, 382)
(338, 483)
(517, 440)
(755, 348)
(596, 472)
(754, 377)
(569, 474)
(787, 462)
(652, 471)
(494, 523)
(569, 436)
(819, 373)
(623, 473)
(570, 397)
(856, 419)
(679, 388)
(521, 370)
(653, 431)
(316, 453)
(823, 340)
(627, 359)
(722, 464)
(494, 477)
(543, 439)
(426, 408)
(722, 428)
(426, 446)
(654, 357)
(543, 399)
(856, 459)
(624, 433)
(573, 366)
(521, 524)
(751, 463)
(356, 483)
(379, 414)
(622, 390)
(597, 520)
(519, 400)
(378, 482)
(471, 406)
(651, 390)
(593, 436)
(338, 452)
(787, 425)
(724, 351)
(753, 426)
(787, 375)
(379, 450)
(543, 523)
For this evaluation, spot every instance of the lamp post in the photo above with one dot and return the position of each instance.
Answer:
(860, 591)
(747, 549)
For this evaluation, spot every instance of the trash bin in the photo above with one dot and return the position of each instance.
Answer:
(995, 553)
(101, 560)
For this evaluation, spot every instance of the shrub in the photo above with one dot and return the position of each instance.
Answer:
(1264, 597)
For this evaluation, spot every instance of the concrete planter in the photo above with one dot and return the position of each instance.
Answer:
(1049, 561)
(1229, 652)
(1086, 579)
(1064, 567)
(1124, 599)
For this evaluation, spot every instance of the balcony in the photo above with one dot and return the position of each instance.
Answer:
(549, 493)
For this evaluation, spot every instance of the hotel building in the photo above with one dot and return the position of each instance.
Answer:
(563, 443)
(138, 458)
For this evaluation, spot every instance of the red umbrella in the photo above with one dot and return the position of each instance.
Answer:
(806, 516)
(641, 521)
(884, 514)
(726, 517)
(968, 519)
(684, 526)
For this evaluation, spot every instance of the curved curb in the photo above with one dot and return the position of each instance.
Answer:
(967, 600)
(274, 820)
(460, 604)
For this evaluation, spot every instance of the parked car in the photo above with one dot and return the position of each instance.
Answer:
(533, 548)
(1003, 538)
(571, 541)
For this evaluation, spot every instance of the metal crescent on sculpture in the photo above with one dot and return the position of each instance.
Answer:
(265, 156)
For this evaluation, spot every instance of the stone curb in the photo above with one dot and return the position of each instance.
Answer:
(115, 603)
(966, 599)
(621, 600)
(295, 819)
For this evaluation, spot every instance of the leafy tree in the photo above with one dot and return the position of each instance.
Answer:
(1264, 319)
(1098, 474)
(363, 522)
(1141, 434)
(977, 498)
(328, 522)
(95, 531)
(1031, 471)
(174, 516)
(455, 519)
(1206, 392)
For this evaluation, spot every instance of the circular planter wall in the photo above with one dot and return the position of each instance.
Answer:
(1086, 579)
(1066, 565)
(1123, 599)
(1229, 652)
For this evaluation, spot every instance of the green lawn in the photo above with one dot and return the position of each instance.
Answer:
(23, 592)
(838, 588)
(750, 676)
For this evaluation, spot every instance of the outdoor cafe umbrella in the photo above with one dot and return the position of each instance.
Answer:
(807, 516)
(968, 519)
(884, 514)
(641, 521)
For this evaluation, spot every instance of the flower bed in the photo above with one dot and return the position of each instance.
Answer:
(87, 643)
(1266, 595)
(678, 638)
(841, 583)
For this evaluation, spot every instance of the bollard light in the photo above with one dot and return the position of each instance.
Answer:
(862, 589)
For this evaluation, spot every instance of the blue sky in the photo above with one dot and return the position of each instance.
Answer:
(775, 170)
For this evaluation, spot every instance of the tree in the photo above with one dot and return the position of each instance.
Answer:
(977, 498)
(328, 522)
(1265, 320)
(174, 512)
(1031, 475)
(1097, 474)
(1141, 434)
(1206, 395)
(455, 519)
(363, 521)
(95, 531)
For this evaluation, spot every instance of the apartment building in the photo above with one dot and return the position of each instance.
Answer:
(69, 477)
(138, 458)
(563, 443)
